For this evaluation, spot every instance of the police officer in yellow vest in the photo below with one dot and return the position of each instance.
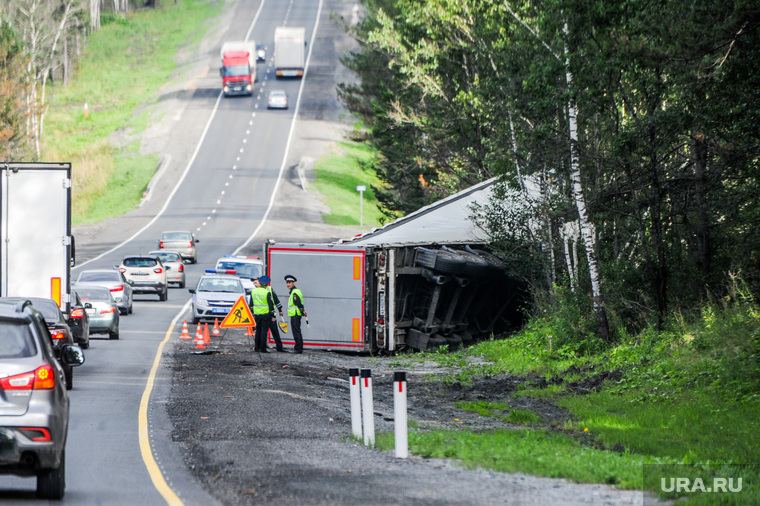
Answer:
(263, 312)
(295, 311)
(275, 330)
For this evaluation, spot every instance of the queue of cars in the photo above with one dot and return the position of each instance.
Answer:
(40, 346)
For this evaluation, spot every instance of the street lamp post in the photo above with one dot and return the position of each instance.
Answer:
(361, 189)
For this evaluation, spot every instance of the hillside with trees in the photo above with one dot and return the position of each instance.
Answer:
(639, 120)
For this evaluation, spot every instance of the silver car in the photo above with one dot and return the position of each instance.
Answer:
(101, 308)
(175, 267)
(34, 404)
(215, 295)
(182, 242)
(277, 99)
(115, 281)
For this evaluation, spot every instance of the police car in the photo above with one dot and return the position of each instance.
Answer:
(247, 268)
(216, 294)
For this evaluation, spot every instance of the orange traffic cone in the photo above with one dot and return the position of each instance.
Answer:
(185, 334)
(206, 337)
(215, 332)
(198, 332)
(199, 344)
(249, 331)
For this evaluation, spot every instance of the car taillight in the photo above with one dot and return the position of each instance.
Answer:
(77, 313)
(161, 245)
(42, 378)
(57, 334)
(117, 288)
(158, 270)
(122, 269)
(181, 268)
(191, 244)
(39, 434)
(108, 310)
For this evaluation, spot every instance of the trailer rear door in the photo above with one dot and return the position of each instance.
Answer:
(332, 280)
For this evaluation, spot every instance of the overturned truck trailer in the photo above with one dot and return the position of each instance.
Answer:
(421, 282)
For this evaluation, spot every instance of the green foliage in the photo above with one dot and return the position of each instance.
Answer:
(13, 79)
(138, 48)
(537, 452)
(338, 175)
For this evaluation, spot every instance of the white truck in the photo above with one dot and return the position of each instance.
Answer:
(289, 51)
(36, 245)
(238, 68)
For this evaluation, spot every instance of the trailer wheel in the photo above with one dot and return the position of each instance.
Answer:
(449, 262)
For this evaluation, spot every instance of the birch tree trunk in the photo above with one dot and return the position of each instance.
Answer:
(587, 228)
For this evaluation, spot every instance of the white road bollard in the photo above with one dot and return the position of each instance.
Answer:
(368, 408)
(399, 415)
(356, 409)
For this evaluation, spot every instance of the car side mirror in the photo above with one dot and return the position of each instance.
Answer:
(248, 291)
(168, 267)
(191, 290)
(196, 240)
(72, 355)
(87, 305)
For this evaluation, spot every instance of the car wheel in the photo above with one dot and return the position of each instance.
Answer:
(85, 345)
(182, 284)
(113, 334)
(69, 374)
(163, 296)
(130, 307)
(51, 483)
(196, 320)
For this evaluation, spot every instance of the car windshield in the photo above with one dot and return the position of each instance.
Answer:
(167, 257)
(175, 236)
(16, 341)
(94, 293)
(237, 70)
(99, 276)
(50, 312)
(243, 270)
(140, 262)
(220, 285)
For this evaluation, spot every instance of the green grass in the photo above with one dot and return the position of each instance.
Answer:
(685, 399)
(122, 70)
(338, 175)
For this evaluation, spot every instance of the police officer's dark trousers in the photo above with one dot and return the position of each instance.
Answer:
(263, 321)
(295, 324)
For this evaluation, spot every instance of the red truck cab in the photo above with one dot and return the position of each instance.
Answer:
(237, 78)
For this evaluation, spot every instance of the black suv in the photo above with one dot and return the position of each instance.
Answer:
(34, 404)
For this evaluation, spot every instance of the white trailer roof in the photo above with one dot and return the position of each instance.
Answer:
(446, 221)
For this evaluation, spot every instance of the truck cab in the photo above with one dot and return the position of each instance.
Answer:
(236, 73)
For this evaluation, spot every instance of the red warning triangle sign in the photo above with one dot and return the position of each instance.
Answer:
(239, 316)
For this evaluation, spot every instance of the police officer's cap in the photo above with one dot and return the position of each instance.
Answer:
(290, 278)
(264, 280)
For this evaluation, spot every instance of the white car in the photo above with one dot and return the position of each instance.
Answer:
(215, 295)
(182, 242)
(114, 280)
(146, 274)
(277, 99)
(245, 267)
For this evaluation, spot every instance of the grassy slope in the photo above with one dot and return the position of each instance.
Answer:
(125, 63)
(686, 404)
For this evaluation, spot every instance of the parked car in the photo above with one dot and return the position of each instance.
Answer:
(34, 404)
(215, 295)
(114, 280)
(59, 330)
(247, 268)
(146, 274)
(277, 99)
(181, 242)
(175, 267)
(79, 322)
(101, 308)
